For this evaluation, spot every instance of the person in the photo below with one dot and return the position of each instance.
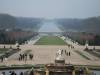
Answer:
(73, 47)
(61, 52)
(4, 46)
(69, 53)
(80, 71)
(13, 73)
(31, 56)
(94, 48)
(26, 73)
(1, 58)
(19, 57)
(25, 57)
(21, 73)
(65, 52)
(10, 72)
(3, 73)
(10, 47)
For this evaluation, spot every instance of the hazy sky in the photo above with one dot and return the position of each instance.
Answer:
(51, 8)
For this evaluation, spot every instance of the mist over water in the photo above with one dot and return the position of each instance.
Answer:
(49, 27)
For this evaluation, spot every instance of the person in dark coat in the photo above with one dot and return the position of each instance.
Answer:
(21, 73)
(1, 58)
(31, 56)
(69, 54)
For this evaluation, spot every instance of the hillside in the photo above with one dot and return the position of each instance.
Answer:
(89, 25)
(10, 22)
(7, 21)
(28, 23)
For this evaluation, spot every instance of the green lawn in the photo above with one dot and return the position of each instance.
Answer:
(50, 40)
(3, 50)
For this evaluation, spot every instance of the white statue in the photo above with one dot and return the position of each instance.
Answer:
(59, 52)
(59, 55)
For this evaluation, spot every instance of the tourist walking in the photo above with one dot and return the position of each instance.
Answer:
(1, 58)
(69, 53)
(21, 73)
(31, 56)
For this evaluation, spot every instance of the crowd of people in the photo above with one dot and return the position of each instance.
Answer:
(70, 46)
(25, 56)
(68, 53)
(63, 52)
(18, 73)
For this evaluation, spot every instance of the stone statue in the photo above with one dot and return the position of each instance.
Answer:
(59, 52)
(59, 55)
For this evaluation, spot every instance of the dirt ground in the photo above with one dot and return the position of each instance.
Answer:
(44, 54)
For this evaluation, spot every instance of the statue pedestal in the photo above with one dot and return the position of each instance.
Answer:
(59, 62)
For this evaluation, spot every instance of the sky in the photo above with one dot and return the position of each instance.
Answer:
(51, 8)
